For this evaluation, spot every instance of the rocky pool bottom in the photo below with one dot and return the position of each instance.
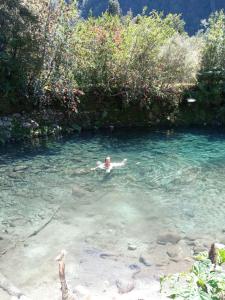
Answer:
(129, 226)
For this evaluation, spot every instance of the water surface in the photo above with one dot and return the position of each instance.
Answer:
(174, 181)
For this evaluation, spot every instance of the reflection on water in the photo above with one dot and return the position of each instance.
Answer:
(173, 181)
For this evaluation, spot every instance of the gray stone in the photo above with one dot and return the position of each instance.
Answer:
(132, 247)
(134, 267)
(125, 286)
(145, 261)
(172, 253)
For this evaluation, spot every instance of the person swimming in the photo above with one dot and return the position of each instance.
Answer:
(108, 165)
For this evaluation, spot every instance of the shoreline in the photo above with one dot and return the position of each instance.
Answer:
(24, 126)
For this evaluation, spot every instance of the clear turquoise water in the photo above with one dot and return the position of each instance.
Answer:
(173, 181)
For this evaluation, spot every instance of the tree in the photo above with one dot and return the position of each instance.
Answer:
(19, 52)
(114, 7)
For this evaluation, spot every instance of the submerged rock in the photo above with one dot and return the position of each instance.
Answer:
(15, 175)
(131, 247)
(79, 192)
(168, 238)
(134, 267)
(124, 286)
(20, 168)
(145, 261)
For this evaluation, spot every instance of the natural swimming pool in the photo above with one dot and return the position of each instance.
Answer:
(168, 202)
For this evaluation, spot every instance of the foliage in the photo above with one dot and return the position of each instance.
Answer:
(203, 282)
(19, 52)
(214, 52)
(50, 57)
(54, 85)
(210, 89)
(139, 63)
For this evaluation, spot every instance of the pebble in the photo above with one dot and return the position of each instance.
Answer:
(132, 247)
(124, 286)
(144, 261)
(134, 267)
(172, 253)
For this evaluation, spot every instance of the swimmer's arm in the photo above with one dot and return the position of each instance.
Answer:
(119, 164)
(99, 166)
(93, 169)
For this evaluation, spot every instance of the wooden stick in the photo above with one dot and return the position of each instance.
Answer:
(60, 258)
(66, 295)
(213, 252)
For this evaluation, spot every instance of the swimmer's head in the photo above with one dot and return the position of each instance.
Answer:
(107, 161)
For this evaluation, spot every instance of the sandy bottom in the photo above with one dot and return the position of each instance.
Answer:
(101, 250)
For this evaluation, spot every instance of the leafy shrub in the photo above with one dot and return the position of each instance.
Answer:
(139, 61)
(205, 281)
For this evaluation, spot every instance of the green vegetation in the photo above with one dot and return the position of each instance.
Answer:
(210, 87)
(19, 53)
(192, 11)
(205, 281)
(112, 69)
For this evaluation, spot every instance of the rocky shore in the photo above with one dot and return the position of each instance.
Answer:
(21, 126)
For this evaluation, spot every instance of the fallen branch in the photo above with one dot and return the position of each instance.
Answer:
(44, 225)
